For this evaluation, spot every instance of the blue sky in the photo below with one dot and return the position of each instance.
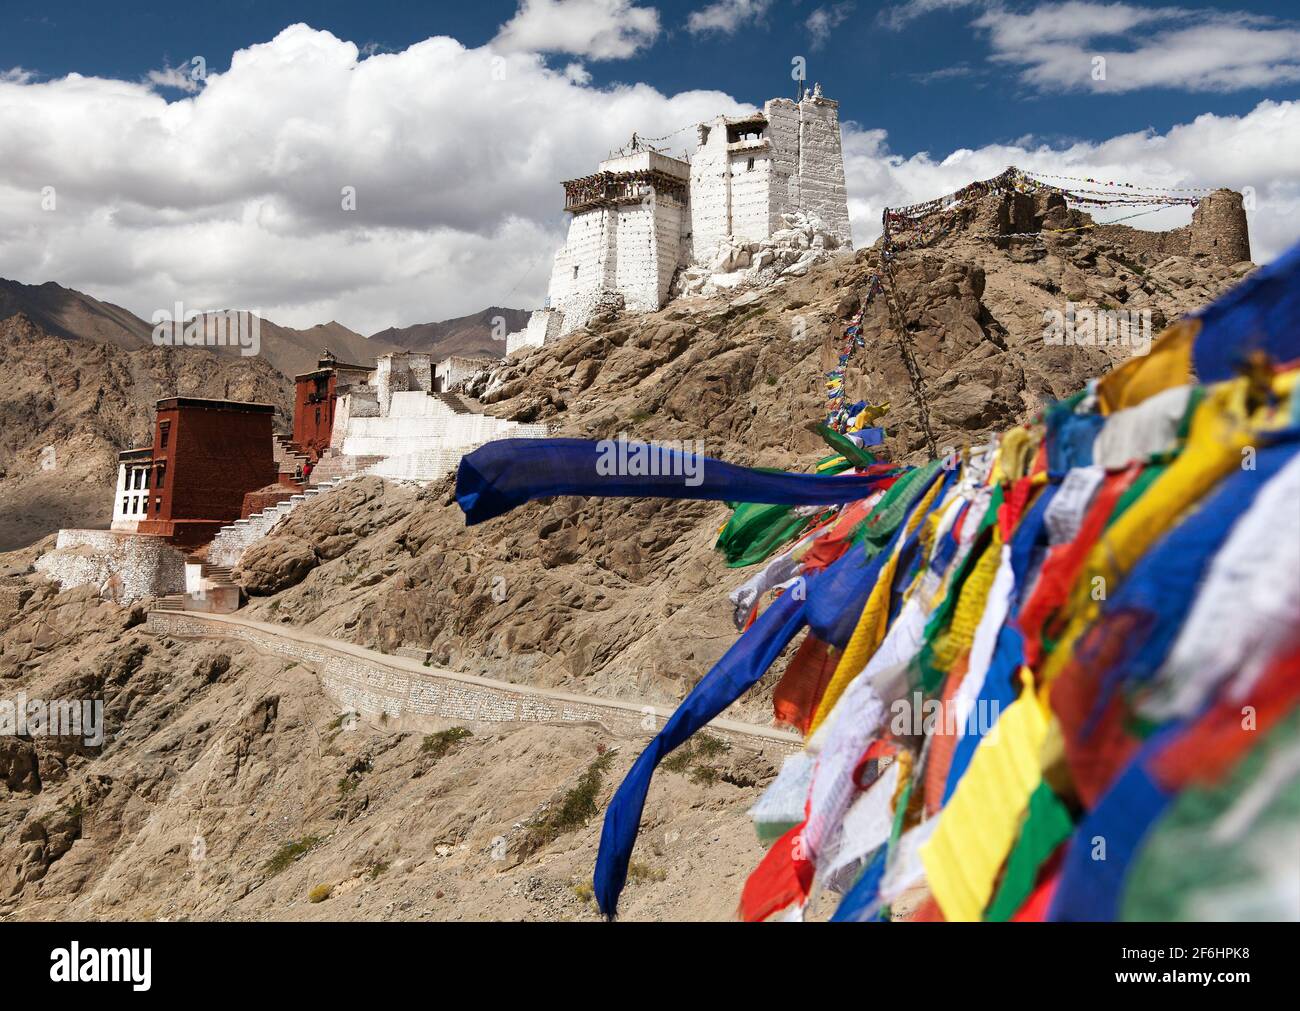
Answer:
(928, 82)
(454, 123)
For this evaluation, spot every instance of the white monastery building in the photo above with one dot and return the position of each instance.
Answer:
(644, 216)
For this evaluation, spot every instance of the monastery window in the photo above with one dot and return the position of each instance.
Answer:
(157, 505)
(575, 272)
(160, 475)
(164, 430)
(125, 510)
(749, 167)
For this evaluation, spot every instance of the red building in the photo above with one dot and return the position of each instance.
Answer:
(206, 455)
(315, 395)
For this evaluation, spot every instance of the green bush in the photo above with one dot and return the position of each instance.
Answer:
(289, 852)
(439, 744)
(574, 808)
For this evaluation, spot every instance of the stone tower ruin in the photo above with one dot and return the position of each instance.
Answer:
(1219, 228)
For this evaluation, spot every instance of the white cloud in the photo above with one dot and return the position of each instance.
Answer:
(1056, 46)
(16, 75)
(901, 15)
(727, 16)
(231, 197)
(824, 20)
(577, 73)
(1259, 150)
(174, 77)
(597, 29)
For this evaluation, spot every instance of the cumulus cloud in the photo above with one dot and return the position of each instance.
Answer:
(727, 16)
(234, 197)
(597, 29)
(824, 20)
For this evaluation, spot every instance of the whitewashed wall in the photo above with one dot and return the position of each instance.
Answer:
(121, 566)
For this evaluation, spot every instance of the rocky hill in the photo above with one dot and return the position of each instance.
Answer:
(625, 598)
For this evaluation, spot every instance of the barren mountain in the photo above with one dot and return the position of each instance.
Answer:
(292, 352)
(218, 743)
(73, 315)
(482, 334)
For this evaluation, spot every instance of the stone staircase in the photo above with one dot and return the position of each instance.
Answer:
(217, 575)
(289, 459)
(334, 466)
(171, 602)
(453, 402)
(233, 539)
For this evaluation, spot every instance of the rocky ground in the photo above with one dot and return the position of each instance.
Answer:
(231, 788)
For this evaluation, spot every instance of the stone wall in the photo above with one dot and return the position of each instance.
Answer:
(750, 169)
(710, 200)
(370, 683)
(122, 566)
(1175, 242)
(451, 372)
(783, 134)
(543, 326)
(821, 166)
(359, 403)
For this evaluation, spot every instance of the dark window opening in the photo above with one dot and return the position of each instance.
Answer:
(750, 166)
(575, 273)
(157, 505)
(164, 430)
(160, 475)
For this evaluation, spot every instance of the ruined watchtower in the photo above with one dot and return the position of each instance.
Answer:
(1219, 228)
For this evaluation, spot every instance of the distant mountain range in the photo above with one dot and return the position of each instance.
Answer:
(479, 335)
(74, 315)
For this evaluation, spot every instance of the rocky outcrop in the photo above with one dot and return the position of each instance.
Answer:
(789, 252)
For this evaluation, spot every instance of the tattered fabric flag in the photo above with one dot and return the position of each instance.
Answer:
(743, 664)
(504, 474)
(1257, 315)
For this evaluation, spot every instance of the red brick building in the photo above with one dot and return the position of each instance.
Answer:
(206, 455)
(315, 395)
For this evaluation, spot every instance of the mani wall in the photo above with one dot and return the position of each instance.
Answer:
(372, 684)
